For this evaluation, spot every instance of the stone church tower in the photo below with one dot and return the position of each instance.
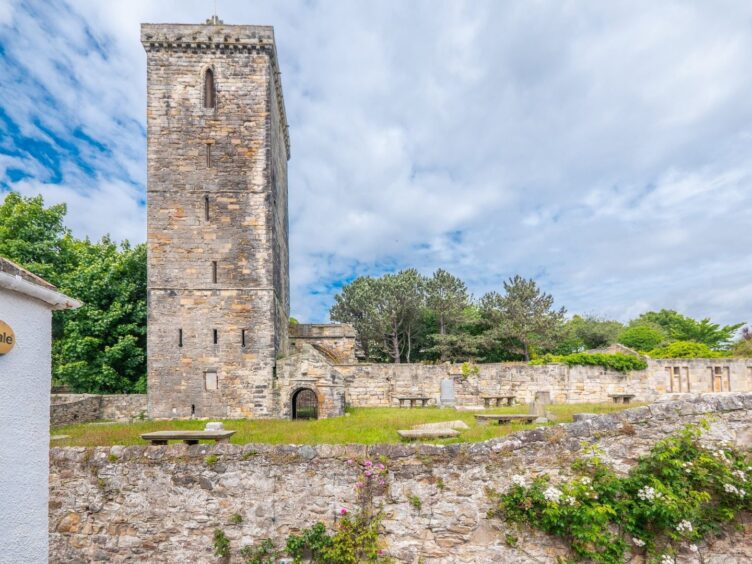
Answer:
(218, 283)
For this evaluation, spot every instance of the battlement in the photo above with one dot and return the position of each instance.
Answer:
(220, 38)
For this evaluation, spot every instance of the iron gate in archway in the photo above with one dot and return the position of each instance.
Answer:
(305, 404)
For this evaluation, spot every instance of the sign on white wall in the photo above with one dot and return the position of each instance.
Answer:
(7, 337)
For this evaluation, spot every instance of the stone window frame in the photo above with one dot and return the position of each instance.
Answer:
(206, 72)
(215, 382)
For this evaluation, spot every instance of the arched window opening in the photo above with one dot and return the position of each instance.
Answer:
(210, 90)
(305, 404)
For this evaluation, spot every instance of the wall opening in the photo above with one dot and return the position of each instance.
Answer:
(242, 338)
(214, 271)
(208, 156)
(193, 409)
(215, 336)
(210, 90)
(206, 208)
(180, 337)
(305, 404)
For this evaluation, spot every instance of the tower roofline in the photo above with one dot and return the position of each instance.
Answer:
(223, 38)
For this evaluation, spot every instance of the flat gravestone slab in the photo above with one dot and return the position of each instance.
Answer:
(190, 437)
(457, 424)
(413, 434)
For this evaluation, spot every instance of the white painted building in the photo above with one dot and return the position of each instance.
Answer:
(26, 304)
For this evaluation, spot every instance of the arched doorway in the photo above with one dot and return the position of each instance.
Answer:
(305, 404)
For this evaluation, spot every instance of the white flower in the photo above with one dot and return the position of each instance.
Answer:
(552, 494)
(648, 493)
(720, 455)
(693, 548)
(739, 474)
(638, 542)
(570, 500)
(684, 526)
(518, 480)
(731, 488)
(667, 559)
(585, 480)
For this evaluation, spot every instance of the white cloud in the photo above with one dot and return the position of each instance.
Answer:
(602, 147)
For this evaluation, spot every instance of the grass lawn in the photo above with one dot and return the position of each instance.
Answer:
(361, 425)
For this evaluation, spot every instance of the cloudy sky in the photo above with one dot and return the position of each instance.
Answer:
(603, 148)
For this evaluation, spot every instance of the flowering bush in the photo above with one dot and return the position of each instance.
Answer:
(356, 534)
(675, 496)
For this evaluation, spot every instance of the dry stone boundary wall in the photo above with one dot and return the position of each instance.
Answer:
(162, 503)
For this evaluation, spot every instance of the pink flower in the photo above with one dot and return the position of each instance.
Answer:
(368, 473)
(343, 511)
(349, 462)
(367, 463)
(381, 553)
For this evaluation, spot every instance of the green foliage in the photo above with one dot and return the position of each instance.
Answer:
(681, 328)
(677, 494)
(415, 502)
(642, 337)
(100, 347)
(684, 349)
(619, 362)
(524, 314)
(587, 332)
(469, 369)
(211, 460)
(221, 544)
(263, 553)
(743, 347)
(236, 519)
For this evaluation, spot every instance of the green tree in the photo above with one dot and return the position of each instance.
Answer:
(682, 328)
(356, 304)
(743, 346)
(103, 345)
(643, 337)
(524, 314)
(400, 298)
(100, 347)
(447, 299)
(34, 236)
(587, 332)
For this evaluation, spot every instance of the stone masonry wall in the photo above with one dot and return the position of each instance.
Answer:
(217, 195)
(376, 385)
(337, 339)
(163, 503)
(66, 409)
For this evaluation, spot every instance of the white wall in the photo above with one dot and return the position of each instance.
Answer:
(24, 430)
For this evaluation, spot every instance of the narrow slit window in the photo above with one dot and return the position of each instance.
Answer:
(210, 90)
(206, 208)
(242, 337)
(214, 272)
(208, 155)
(180, 337)
(215, 336)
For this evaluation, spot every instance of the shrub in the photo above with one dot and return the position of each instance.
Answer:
(642, 337)
(619, 362)
(263, 553)
(676, 495)
(684, 349)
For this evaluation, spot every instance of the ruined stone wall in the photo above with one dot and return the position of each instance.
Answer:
(217, 194)
(307, 368)
(381, 384)
(337, 339)
(66, 409)
(162, 504)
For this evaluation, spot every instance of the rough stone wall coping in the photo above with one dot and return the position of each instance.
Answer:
(286, 454)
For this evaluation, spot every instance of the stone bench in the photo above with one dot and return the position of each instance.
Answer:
(411, 401)
(413, 434)
(496, 401)
(621, 398)
(506, 418)
(188, 437)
